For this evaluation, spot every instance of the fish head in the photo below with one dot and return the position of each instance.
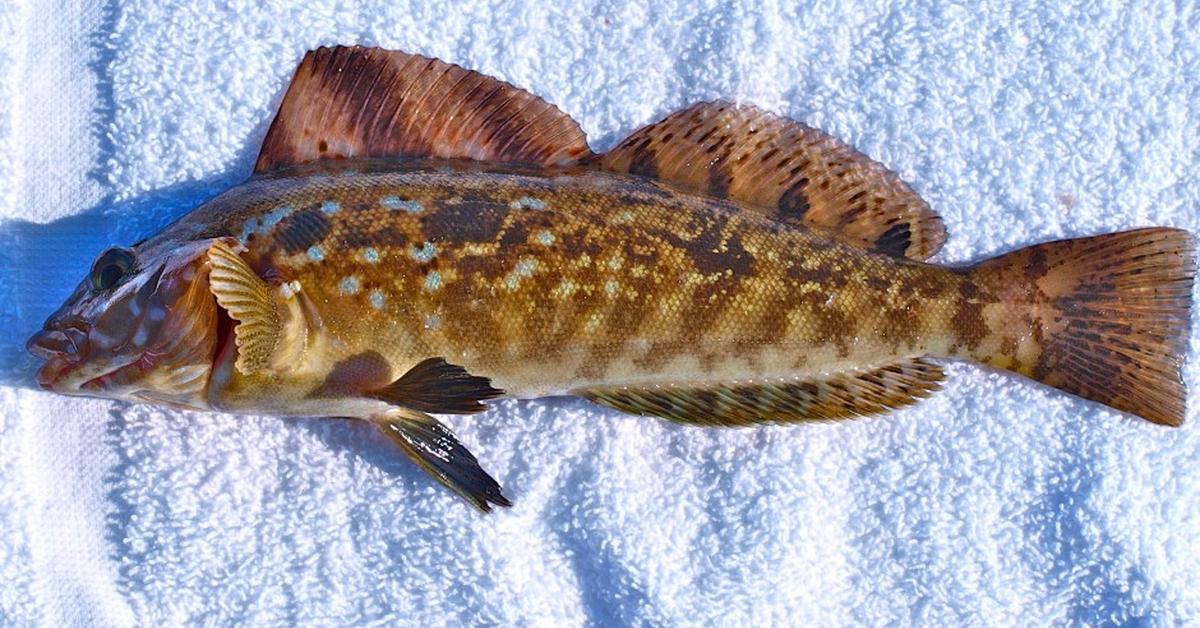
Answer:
(142, 326)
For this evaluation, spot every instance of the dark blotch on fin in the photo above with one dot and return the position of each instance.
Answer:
(793, 204)
(895, 240)
(434, 448)
(644, 162)
(435, 385)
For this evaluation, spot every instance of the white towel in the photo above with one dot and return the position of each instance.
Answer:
(996, 501)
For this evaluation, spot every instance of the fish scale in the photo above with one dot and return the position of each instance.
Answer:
(419, 239)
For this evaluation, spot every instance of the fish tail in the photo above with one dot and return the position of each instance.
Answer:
(1106, 317)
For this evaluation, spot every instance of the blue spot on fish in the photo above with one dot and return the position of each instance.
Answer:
(433, 281)
(527, 202)
(371, 255)
(248, 227)
(425, 253)
(377, 299)
(331, 207)
(350, 285)
(395, 202)
(524, 268)
(316, 253)
(274, 217)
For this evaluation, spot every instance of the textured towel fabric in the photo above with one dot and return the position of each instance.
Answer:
(996, 501)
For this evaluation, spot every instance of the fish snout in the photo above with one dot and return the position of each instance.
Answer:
(68, 341)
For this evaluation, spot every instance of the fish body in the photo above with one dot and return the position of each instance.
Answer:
(552, 283)
(392, 258)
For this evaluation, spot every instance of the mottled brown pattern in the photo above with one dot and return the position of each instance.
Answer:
(970, 326)
(563, 281)
(599, 274)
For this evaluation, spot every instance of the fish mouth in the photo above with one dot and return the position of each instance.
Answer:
(60, 375)
(63, 347)
(64, 354)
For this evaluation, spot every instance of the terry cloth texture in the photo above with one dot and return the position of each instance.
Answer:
(997, 501)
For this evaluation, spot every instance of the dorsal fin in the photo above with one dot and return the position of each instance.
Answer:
(786, 170)
(367, 102)
(834, 396)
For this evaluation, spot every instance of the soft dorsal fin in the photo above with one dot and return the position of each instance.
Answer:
(835, 396)
(348, 102)
(786, 170)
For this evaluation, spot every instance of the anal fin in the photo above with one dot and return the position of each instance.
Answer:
(434, 448)
(835, 396)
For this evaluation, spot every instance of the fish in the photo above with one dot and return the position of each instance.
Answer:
(420, 239)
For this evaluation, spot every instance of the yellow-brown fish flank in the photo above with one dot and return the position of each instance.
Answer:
(625, 277)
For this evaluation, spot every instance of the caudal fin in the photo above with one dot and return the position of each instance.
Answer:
(1106, 317)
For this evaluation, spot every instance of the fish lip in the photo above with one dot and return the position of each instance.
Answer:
(47, 344)
(53, 371)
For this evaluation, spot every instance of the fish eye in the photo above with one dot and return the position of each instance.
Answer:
(111, 267)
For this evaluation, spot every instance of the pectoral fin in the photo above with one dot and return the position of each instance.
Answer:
(435, 449)
(249, 301)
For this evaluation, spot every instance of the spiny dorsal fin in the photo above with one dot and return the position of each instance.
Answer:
(250, 301)
(835, 396)
(435, 449)
(367, 102)
(434, 385)
(786, 170)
